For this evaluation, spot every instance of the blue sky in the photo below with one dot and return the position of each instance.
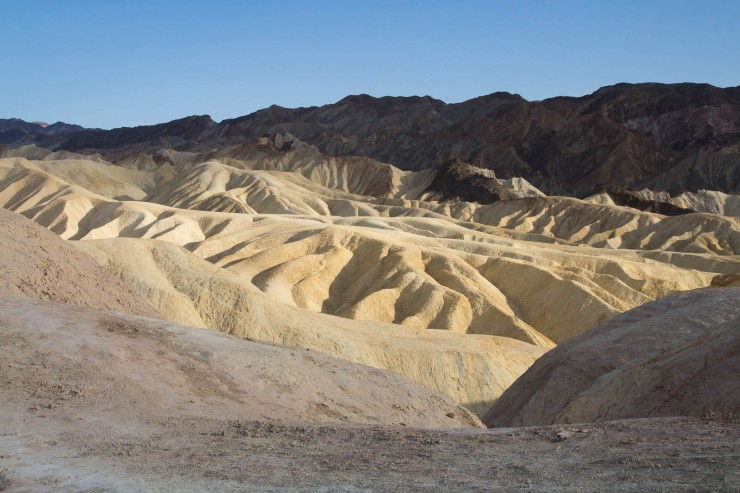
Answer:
(114, 63)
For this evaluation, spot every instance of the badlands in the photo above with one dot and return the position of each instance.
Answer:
(232, 319)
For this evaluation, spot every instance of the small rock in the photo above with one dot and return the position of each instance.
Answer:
(563, 435)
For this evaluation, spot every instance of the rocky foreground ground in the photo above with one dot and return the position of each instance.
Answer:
(103, 453)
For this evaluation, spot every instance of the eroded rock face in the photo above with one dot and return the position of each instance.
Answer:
(191, 291)
(649, 201)
(706, 201)
(677, 356)
(459, 181)
(291, 247)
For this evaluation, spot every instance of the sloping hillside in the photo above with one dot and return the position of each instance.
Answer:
(678, 356)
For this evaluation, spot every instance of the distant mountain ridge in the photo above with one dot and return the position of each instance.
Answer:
(672, 137)
(41, 128)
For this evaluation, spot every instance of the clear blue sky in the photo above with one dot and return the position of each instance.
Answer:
(110, 63)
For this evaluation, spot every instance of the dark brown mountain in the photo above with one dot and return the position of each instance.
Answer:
(673, 137)
(14, 130)
(457, 180)
(397, 130)
(175, 134)
(7, 124)
(620, 136)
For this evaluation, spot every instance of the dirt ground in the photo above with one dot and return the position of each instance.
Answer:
(44, 453)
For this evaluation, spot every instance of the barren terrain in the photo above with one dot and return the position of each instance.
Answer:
(270, 246)
(260, 315)
(101, 401)
(657, 454)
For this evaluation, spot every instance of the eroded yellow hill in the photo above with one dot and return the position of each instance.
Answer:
(459, 296)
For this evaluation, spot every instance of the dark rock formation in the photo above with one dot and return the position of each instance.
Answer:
(636, 200)
(457, 180)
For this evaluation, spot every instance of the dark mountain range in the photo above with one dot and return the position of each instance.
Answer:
(14, 131)
(619, 136)
(18, 124)
(37, 128)
(184, 132)
(673, 137)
